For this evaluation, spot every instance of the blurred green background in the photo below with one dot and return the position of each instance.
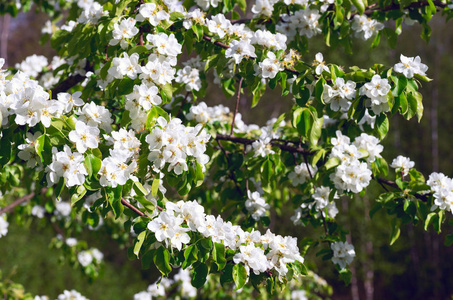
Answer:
(417, 266)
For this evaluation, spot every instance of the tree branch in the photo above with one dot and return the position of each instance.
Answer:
(393, 184)
(274, 142)
(135, 209)
(17, 202)
(20, 201)
(373, 7)
(237, 105)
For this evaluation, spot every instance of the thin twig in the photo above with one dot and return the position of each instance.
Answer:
(17, 202)
(20, 201)
(135, 209)
(275, 143)
(237, 105)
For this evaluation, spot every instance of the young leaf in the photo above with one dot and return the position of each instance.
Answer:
(162, 260)
(239, 275)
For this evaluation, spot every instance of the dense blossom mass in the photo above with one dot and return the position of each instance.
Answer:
(133, 133)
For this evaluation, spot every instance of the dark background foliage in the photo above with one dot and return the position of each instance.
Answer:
(417, 266)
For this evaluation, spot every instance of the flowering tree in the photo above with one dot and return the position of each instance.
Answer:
(113, 132)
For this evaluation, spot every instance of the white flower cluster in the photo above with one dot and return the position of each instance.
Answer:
(172, 142)
(91, 13)
(352, 174)
(203, 114)
(25, 98)
(122, 162)
(303, 22)
(121, 32)
(190, 77)
(239, 50)
(90, 256)
(410, 66)
(33, 65)
(321, 203)
(256, 205)
(340, 94)
(442, 187)
(205, 4)
(302, 173)
(320, 64)
(71, 295)
(343, 253)
(269, 67)
(66, 164)
(365, 27)
(402, 163)
(156, 289)
(3, 225)
(258, 252)
(85, 136)
(152, 13)
(299, 295)
(28, 151)
(377, 91)
(262, 147)
(38, 211)
(62, 209)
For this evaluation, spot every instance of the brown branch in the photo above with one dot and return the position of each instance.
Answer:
(237, 105)
(71, 81)
(393, 184)
(17, 202)
(373, 7)
(135, 209)
(275, 143)
(217, 43)
(67, 84)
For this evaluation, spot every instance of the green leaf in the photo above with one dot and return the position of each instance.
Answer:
(162, 260)
(403, 103)
(376, 40)
(346, 275)
(395, 231)
(92, 164)
(147, 259)
(239, 275)
(199, 175)
(139, 189)
(199, 275)
(415, 103)
(360, 5)
(155, 187)
(114, 198)
(332, 162)
(198, 30)
(448, 240)
(212, 61)
(218, 255)
(166, 91)
(429, 219)
(382, 125)
(80, 192)
(126, 86)
(139, 49)
(319, 89)
(44, 149)
(315, 131)
(190, 256)
(139, 242)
